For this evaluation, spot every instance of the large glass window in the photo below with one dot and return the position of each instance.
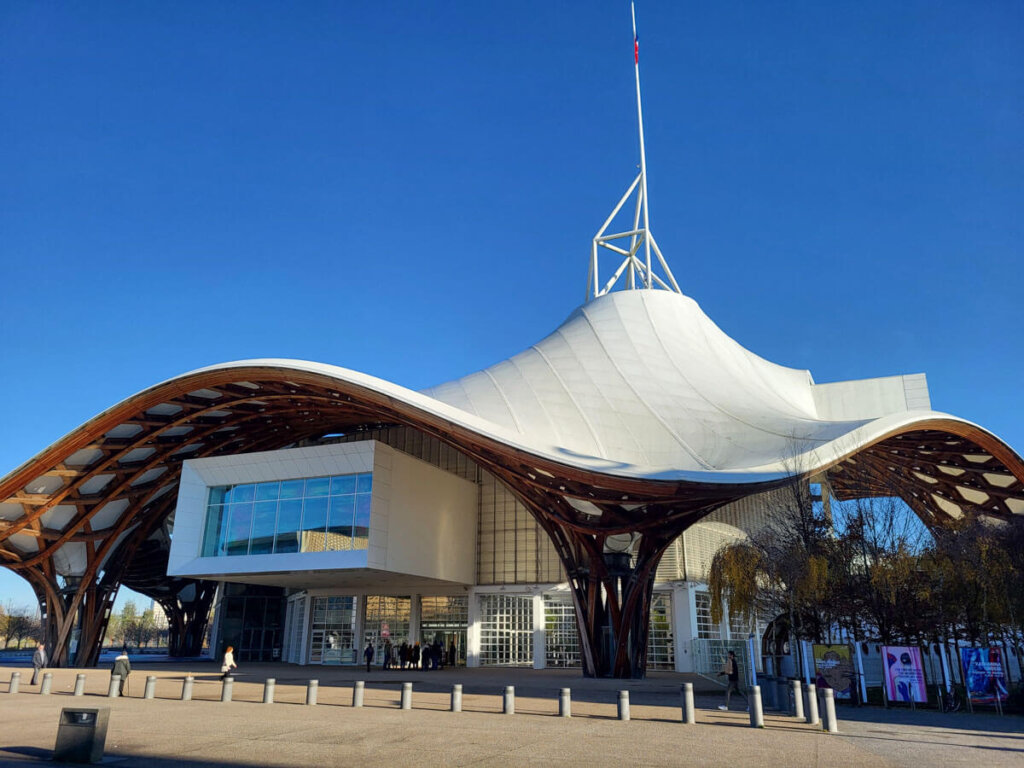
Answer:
(445, 620)
(310, 515)
(333, 631)
(387, 618)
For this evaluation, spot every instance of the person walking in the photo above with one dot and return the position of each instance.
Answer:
(387, 654)
(122, 667)
(229, 662)
(368, 655)
(414, 655)
(38, 661)
(732, 671)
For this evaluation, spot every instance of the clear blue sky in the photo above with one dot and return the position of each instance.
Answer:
(410, 189)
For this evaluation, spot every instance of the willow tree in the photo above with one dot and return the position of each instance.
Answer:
(793, 567)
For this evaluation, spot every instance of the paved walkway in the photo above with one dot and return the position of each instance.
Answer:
(206, 732)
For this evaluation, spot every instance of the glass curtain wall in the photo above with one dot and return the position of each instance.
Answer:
(506, 630)
(314, 514)
(387, 618)
(253, 622)
(333, 631)
(444, 620)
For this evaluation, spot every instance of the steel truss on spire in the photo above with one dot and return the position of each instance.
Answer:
(635, 268)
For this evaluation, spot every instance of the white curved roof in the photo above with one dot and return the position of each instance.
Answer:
(645, 379)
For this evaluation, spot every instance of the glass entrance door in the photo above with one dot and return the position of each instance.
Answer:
(661, 647)
(562, 641)
(506, 630)
(333, 631)
(444, 620)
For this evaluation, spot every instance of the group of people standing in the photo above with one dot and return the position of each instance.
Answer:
(428, 656)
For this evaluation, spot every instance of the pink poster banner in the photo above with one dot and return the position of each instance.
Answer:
(904, 674)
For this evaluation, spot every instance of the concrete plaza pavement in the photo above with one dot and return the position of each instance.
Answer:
(245, 732)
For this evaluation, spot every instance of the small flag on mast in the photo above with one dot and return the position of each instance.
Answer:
(636, 39)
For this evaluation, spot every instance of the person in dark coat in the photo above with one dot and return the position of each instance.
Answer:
(414, 656)
(452, 654)
(387, 654)
(122, 667)
(38, 661)
(368, 655)
(403, 654)
(437, 655)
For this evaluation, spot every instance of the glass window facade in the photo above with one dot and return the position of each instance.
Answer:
(315, 514)
(386, 618)
(333, 631)
(445, 620)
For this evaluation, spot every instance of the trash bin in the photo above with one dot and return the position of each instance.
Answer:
(81, 734)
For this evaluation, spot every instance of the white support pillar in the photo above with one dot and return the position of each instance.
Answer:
(415, 606)
(684, 620)
(303, 652)
(473, 630)
(360, 627)
(540, 651)
(807, 657)
(860, 671)
(218, 612)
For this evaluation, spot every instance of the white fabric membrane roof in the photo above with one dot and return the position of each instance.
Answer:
(642, 384)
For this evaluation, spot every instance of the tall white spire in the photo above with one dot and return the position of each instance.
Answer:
(636, 270)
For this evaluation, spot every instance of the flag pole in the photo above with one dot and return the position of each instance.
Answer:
(643, 156)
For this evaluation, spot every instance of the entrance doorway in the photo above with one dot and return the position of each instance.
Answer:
(506, 630)
(444, 620)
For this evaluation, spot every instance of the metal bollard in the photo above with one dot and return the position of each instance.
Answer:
(357, 693)
(268, 690)
(186, 688)
(798, 701)
(812, 704)
(686, 692)
(150, 690)
(226, 689)
(831, 725)
(756, 707)
(312, 689)
(508, 702)
(623, 705)
(44, 689)
(115, 687)
(456, 698)
(15, 682)
(406, 701)
(565, 702)
(79, 684)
